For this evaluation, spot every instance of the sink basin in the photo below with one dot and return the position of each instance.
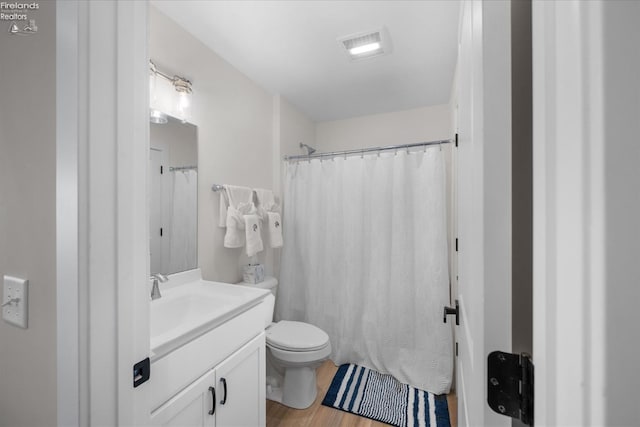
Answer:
(187, 311)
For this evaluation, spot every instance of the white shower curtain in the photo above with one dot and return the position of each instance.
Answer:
(184, 221)
(365, 259)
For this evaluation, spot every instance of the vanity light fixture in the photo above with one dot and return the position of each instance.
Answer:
(367, 44)
(180, 102)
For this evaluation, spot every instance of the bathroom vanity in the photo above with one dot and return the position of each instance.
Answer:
(207, 354)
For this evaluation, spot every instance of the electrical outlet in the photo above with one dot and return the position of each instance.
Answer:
(15, 301)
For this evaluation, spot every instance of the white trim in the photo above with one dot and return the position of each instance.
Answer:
(102, 146)
(132, 208)
(67, 312)
(569, 221)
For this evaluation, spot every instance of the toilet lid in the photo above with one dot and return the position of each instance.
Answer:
(296, 336)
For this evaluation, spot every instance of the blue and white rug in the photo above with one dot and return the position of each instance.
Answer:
(381, 397)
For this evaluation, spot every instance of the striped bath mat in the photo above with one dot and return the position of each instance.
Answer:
(380, 397)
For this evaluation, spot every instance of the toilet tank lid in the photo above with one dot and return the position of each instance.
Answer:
(268, 283)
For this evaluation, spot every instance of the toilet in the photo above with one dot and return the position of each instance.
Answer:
(294, 351)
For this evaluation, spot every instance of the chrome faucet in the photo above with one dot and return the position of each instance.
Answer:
(155, 290)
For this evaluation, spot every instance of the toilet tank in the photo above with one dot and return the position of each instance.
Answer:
(270, 283)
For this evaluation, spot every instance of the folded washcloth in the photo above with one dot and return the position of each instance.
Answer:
(240, 202)
(275, 229)
(253, 234)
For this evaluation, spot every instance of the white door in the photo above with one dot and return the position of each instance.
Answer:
(240, 387)
(586, 161)
(195, 406)
(484, 203)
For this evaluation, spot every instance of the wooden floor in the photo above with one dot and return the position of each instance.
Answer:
(323, 416)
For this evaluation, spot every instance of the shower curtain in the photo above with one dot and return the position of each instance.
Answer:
(365, 259)
(184, 221)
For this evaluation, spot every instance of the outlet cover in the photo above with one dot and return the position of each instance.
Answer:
(15, 301)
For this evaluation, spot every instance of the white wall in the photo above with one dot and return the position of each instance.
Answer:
(235, 133)
(291, 127)
(399, 127)
(28, 219)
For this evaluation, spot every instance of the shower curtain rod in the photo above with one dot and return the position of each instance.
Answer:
(365, 150)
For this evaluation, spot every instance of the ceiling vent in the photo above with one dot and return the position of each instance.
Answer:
(367, 44)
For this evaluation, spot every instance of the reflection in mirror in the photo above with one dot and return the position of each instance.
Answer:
(173, 177)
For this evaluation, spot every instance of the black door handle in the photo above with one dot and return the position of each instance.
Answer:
(224, 385)
(213, 395)
(451, 310)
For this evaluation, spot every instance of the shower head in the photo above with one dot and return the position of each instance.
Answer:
(310, 150)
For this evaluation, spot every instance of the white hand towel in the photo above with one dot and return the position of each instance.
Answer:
(240, 202)
(275, 229)
(222, 218)
(234, 237)
(266, 200)
(237, 195)
(253, 235)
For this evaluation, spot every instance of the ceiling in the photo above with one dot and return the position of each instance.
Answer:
(291, 48)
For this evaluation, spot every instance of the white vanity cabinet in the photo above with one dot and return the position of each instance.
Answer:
(191, 407)
(238, 386)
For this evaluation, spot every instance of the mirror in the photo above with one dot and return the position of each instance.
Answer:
(173, 204)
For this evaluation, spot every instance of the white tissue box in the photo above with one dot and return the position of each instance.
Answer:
(253, 273)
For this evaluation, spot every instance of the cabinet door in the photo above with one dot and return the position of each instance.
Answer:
(190, 407)
(244, 402)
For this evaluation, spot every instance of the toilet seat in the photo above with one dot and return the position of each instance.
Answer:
(296, 336)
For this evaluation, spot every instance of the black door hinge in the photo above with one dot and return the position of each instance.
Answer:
(141, 372)
(160, 231)
(456, 139)
(510, 385)
(456, 244)
(161, 170)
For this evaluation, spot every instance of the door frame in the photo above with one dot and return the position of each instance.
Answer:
(102, 238)
(569, 288)
(586, 210)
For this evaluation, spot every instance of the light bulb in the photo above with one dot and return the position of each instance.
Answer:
(364, 48)
(184, 106)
